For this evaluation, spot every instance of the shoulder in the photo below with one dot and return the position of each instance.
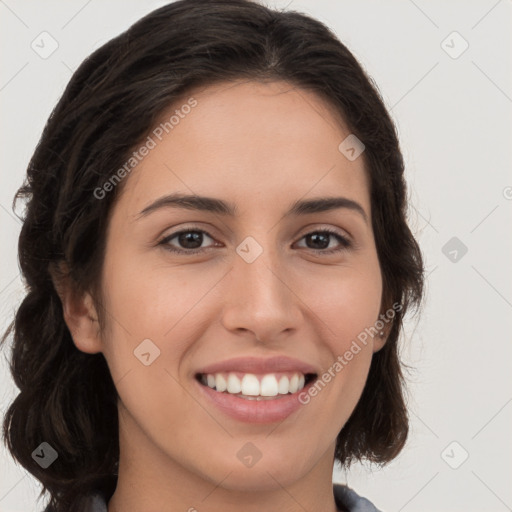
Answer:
(347, 499)
(93, 502)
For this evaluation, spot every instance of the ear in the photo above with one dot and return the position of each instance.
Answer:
(379, 341)
(78, 309)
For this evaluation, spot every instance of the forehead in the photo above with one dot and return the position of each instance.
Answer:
(251, 141)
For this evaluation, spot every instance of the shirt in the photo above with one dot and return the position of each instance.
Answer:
(345, 498)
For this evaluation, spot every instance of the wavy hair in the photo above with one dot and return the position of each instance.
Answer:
(66, 397)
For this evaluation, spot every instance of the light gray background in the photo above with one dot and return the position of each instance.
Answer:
(454, 117)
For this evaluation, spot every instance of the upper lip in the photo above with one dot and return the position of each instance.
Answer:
(259, 365)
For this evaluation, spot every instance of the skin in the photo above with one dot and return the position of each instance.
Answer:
(261, 146)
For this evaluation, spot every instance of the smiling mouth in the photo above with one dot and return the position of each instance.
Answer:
(250, 386)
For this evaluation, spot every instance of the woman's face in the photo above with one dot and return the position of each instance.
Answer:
(257, 292)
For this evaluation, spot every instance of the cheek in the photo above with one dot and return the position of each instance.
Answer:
(150, 299)
(163, 303)
(348, 302)
(152, 320)
(348, 308)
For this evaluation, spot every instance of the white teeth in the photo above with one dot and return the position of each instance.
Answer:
(284, 385)
(251, 386)
(268, 386)
(234, 385)
(294, 384)
(220, 383)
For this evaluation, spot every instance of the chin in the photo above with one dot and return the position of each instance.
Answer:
(268, 473)
(259, 480)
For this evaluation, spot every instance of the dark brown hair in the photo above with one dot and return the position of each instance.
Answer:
(67, 398)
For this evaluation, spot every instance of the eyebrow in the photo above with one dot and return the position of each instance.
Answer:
(213, 205)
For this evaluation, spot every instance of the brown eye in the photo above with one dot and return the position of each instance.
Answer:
(319, 241)
(189, 240)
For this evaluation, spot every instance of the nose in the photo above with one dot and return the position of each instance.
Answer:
(259, 299)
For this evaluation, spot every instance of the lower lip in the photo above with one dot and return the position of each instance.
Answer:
(254, 411)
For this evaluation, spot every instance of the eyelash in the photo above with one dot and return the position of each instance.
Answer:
(344, 242)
